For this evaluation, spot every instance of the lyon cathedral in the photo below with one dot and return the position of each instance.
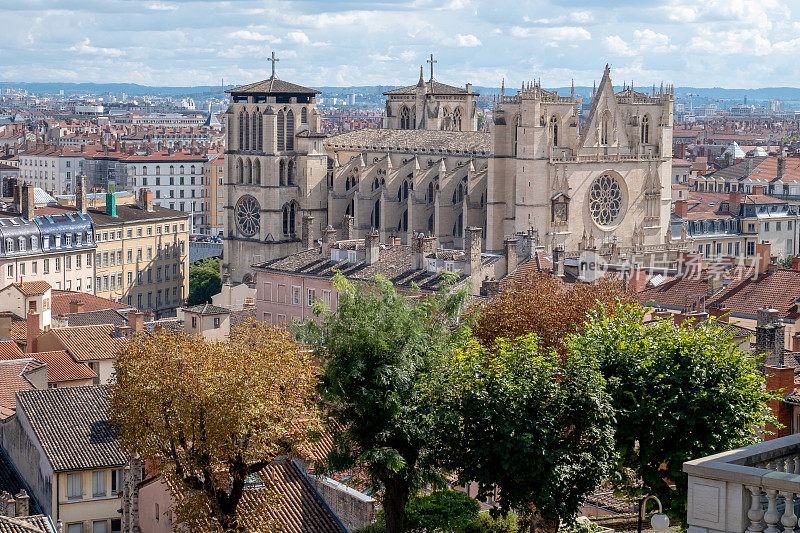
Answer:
(430, 171)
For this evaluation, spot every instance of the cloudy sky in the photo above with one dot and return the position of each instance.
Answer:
(704, 43)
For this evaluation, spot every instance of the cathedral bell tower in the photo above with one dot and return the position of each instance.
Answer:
(275, 172)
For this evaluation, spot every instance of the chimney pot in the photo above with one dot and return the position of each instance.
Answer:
(372, 247)
(348, 229)
(307, 235)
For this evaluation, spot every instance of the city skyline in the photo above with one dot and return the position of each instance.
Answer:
(735, 44)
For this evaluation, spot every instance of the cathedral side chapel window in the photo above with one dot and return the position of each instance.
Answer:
(290, 171)
(405, 119)
(554, 129)
(304, 115)
(645, 130)
(288, 219)
(457, 119)
(282, 172)
(241, 131)
(430, 193)
(281, 129)
(290, 130)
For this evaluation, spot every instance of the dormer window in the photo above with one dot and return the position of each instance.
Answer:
(9, 245)
(431, 265)
(351, 256)
(58, 241)
(22, 246)
(450, 266)
(45, 242)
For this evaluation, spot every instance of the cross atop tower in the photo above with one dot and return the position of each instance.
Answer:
(431, 61)
(274, 60)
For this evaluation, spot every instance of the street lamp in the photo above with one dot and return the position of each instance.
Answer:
(659, 521)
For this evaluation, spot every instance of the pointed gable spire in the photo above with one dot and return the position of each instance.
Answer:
(421, 82)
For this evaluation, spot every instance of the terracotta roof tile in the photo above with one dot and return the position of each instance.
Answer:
(72, 426)
(13, 380)
(90, 343)
(61, 300)
(32, 288)
(61, 366)
(24, 524)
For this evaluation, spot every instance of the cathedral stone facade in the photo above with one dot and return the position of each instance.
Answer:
(578, 185)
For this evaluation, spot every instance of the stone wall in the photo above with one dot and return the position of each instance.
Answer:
(354, 509)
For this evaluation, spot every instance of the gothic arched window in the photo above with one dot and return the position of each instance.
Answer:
(375, 217)
(282, 172)
(304, 115)
(457, 119)
(645, 129)
(604, 126)
(402, 225)
(446, 119)
(517, 123)
(290, 130)
(241, 131)
(257, 173)
(405, 119)
(281, 129)
(458, 226)
(430, 193)
(249, 173)
(260, 130)
(375, 184)
(431, 221)
(246, 131)
(288, 218)
(554, 130)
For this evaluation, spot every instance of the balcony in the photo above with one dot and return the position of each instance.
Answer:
(746, 490)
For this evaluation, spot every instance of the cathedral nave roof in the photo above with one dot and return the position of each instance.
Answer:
(423, 141)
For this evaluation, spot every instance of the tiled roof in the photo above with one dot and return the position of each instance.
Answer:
(90, 343)
(61, 300)
(32, 288)
(72, 426)
(434, 87)
(13, 380)
(207, 309)
(61, 366)
(423, 141)
(273, 86)
(394, 263)
(540, 262)
(93, 318)
(134, 213)
(25, 524)
(9, 350)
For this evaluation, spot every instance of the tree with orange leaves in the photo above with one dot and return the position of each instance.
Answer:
(213, 415)
(544, 305)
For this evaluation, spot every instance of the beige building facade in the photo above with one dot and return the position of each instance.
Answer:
(214, 199)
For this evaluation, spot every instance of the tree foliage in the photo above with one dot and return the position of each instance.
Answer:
(376, 347)
(214, 414)
(441, 511)
(543, 305)
(678, 393)
(517, 416)
(204, 281)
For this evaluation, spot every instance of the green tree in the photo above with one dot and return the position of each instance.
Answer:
(481, 121)
(212, 420)
(375, 348)
(678, 393)
(517, 416)
(204, 281)
(441, 511)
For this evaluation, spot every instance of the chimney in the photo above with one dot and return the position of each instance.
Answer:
(111, 202)
(558, 260)
(28, 206)
(472, 249)
(796, 342)
(33, 332)
(713, 284)
(348, 231)
(372, 246)
(681, 208)
(769, 344)
(420, 247)
(307, 234)
(328, 238)
(723, 314)
(510, 249)
(76, 306)
(146, 199)
(735, 202)
(23, 503)
(763, 256)
(5, 327)
(80, 194)
(781, 167)
(136, 320)
(780, 379)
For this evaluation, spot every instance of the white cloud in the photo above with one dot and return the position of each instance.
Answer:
(644, 42)
(618, 46)
(85, 47)
(462, 41)
(248, 35)
(581, 17)
(558, 33)
(160, 6)
(298, 37)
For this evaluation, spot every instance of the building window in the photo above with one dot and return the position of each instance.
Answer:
(75, 528)
(295, 295)
(750, 248)
(10, 271)
(100, 526)
(74, 486)
(310, 297)
(99, 483)
(216, 323)
(194, 322)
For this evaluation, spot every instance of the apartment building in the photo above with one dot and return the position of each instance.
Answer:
(52, 168)
(142, 254)
(176, 179)
(213, 222)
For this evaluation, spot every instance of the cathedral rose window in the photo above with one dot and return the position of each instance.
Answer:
(248, 217)
(605, 200)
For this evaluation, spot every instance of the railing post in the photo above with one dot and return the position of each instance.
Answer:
(789, 520)
(772, 517)
(755, 514)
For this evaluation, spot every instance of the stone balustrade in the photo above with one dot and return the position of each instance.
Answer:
(750, 490)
